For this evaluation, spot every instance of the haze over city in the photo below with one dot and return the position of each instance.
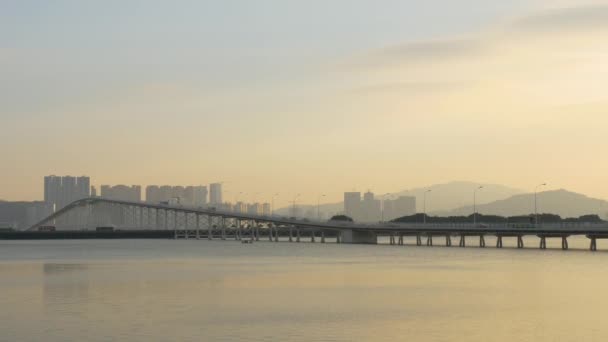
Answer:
(303, 170)
(152, 93)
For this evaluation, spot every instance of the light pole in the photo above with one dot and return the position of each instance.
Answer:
(424, 206)
(475, 206)
(319, 207)
(237, 204)
(272, 209)
(535, 203)
(294, 204)
(382, 211)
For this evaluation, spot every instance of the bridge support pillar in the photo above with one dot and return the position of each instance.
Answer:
(593, 244)
(499, 241)
(400, 239)
(166, 219)
(338, 237)
(462, 242)
(418, 240)
(276, 234)
(520, 242)
(297, 234)
(209, 228)
(198, 233)
(270, 232)
(543, 242)
(322, 236)
(391, 239)
(290, 234)
(564, 243)
(312, 236)
(257, 232)
(223, 224)
(358, 237)
(448, 241)
(429, 240)
(482, 241)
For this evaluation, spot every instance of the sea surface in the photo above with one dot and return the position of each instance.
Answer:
(189, 290)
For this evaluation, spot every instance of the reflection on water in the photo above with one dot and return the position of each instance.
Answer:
(141, 290)
(64, 285)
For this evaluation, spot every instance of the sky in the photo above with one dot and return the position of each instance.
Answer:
(304, 97)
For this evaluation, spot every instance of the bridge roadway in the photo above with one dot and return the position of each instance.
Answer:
(98, 211)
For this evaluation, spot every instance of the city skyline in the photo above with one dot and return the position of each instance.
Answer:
(510, 93)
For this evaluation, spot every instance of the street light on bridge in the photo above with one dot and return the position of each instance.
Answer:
(424, 206)
(272, 209)
(294, 204)
(535, 203)
(319, 207)
(475, 205)
(382, 204)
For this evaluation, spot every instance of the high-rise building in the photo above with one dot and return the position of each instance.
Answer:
(189, 196)
(121, 192)
(200, 196)
(153, 194)
(61, 191)
(352, 205)
(68, 190)
(215, 193)
(52, 190)
(370, 208)
(266, 210)
(240, 207)
(83, 187)
(254, 209)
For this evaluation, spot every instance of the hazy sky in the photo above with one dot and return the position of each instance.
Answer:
(305, 97)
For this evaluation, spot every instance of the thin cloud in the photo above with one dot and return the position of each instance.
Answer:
(571, 18)
(589, 17)
(412, 88)
(436, 49)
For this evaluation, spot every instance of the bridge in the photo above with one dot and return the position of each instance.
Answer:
(209, 223)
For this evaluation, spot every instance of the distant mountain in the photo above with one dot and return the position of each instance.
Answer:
(561, 202)
(452, 195)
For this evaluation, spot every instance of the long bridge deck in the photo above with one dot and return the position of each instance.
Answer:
(187, 222)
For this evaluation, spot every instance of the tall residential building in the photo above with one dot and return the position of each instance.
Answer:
(254, 209)
(52, 190)
(352, 205)
(240, 208)
(121, 192)
(61, 191)
(83, 187)
(215, 193)
(370, 208)
(200, 196)
(189, 196)
(266, 210)
(68, 190)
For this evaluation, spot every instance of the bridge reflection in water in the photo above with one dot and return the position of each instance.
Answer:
(205, 223)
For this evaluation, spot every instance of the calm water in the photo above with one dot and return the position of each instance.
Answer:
(165, 290)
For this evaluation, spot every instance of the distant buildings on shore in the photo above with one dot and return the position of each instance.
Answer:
(370, 209)
(121, 192)
(60, 191)
(195, 196)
